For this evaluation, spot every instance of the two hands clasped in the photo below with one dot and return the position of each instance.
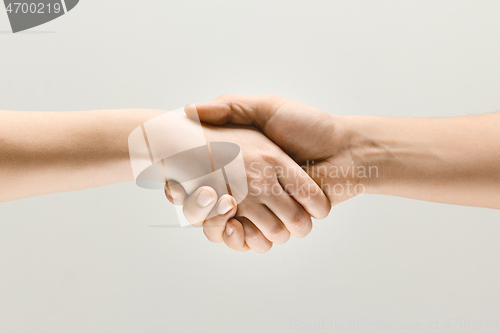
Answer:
(288, 149)
(299, 160)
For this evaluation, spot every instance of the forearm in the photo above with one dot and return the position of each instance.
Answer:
(46, 152)
(450, 160)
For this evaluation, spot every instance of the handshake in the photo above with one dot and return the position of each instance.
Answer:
(299, 162)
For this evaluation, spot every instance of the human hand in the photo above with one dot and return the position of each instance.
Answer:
(322, 143)
(408, 157)
(269, 214)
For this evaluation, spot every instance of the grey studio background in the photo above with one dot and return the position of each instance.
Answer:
(89, 261)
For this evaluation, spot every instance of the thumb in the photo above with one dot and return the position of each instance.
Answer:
(236, 109)
(217, 113)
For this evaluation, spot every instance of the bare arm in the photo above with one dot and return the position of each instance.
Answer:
(46, 152)
(451, 160)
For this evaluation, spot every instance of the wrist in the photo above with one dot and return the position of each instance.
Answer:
(449, 160)
(116, 126)
(111, 131)
(405, 154)
(368, 148)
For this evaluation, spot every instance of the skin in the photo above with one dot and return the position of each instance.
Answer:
(266, 219)
(448, 160)
(47, 152)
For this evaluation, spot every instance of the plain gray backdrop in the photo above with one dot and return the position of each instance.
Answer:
(89, 261)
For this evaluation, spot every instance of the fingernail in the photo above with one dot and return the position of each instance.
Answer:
(229, 230)
(224, 207)
(191, 111)
(204, 198)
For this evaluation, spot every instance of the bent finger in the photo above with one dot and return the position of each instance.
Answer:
(199, 204)
(254, 237)
(271, 227)
(175, 193)
(214, 227)
(295, 218)
(234, 236)
(303, 189)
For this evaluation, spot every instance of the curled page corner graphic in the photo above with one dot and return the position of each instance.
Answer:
(172, 149)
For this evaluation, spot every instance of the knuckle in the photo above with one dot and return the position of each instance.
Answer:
(223, 97)
(277, 232)
(263, 249)
(304, 193)
(270, 159)
(241, 248)
(251, 236)
(271, 96)
(274, 100)
(191, 217)
(259, 183)
(210, 236)
(300, 220)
